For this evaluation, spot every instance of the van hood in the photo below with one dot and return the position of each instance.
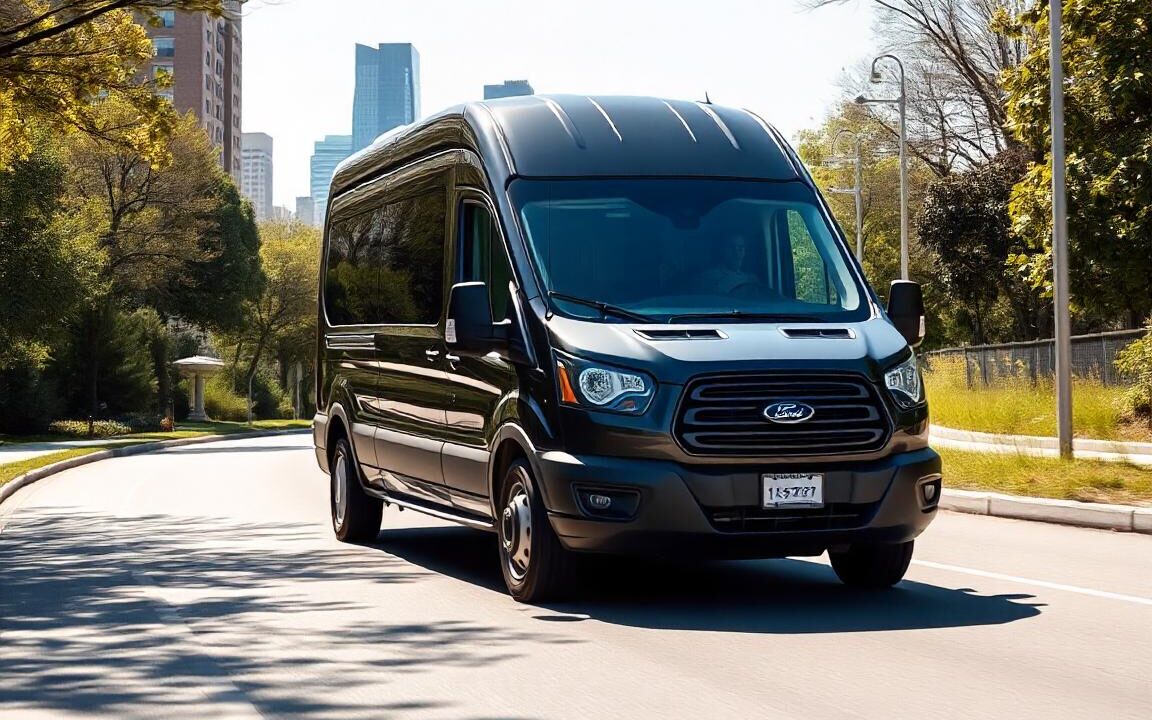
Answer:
(676, 353)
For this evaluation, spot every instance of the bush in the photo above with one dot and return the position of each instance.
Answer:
(1136, 361)
(221, 403)
(79, 428)
(28, 398)
(140, 422)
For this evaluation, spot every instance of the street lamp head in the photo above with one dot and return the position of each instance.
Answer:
(860, 99)
(875, 77)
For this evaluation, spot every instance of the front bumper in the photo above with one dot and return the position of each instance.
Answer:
(714, 511)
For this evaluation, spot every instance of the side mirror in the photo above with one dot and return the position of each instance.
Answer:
(906, 310)
(469, 330)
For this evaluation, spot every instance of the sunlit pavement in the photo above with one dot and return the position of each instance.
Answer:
(160, 585)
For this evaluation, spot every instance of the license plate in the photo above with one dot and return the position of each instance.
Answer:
(793, 490)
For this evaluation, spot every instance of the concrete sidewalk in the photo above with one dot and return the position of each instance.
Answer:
(18, 452)
(1106, 450)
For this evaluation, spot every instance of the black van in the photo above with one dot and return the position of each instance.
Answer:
(615, 325)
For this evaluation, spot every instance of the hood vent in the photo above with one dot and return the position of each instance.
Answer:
(682, 334)
(828, 333)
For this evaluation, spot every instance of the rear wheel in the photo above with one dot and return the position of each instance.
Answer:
(536, 566)
(872, 566)
(355, 515)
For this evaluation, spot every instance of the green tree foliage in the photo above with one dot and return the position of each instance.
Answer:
(1108, 115)
(45, 264)
(1136, 361)
(57, 56)
(282, 320)
(212, 288)
(106, 367)
(965, 222)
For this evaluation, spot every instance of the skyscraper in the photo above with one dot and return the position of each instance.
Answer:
(509, 88)
(387, 91)
(202, 55)
(306, 210)
(329, 153)
(256, 175)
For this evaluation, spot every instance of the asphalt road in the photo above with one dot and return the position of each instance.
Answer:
(205, 582)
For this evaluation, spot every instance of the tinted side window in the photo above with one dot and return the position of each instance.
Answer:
(350, 284)
(386, 265)
(483, 258)
(413, 273)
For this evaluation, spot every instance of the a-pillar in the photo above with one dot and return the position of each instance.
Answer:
(197, 414)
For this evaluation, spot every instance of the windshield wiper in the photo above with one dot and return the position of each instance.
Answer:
(604, 308)
(741, 315)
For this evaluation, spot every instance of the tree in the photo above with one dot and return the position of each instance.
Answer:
(954, 53)
(161, 230)
(965, 223)
(57, 56)
(283, 317)
(1108, 117)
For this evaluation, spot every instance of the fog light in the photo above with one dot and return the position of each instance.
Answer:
(609, 503)
(600, 502)
(929, 491)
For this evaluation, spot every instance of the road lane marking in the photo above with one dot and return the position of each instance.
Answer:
(1037, 583)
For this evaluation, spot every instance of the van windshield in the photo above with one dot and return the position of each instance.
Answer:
(682, 250)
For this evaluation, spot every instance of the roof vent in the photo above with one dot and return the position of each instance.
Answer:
(816, 332)
(682, 334)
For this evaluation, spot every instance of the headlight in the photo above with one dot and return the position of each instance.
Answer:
(602, 387)
(905, 383)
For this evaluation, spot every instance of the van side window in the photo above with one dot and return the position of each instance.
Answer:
(384, 266)
(808, 266)
(483, 258)
(350, 283)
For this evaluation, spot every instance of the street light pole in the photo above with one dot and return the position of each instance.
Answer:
(902, 105)
(1060, 238)
(857, 189)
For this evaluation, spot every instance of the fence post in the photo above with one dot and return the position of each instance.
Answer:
(984, 366)
(1035, 361)
(1104, 359)
(967, 370)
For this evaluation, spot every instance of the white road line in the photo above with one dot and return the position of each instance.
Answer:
(1037, 583)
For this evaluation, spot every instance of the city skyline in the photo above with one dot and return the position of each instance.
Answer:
(664, 49)
(326, 155)
(508, 88)
(257, 167)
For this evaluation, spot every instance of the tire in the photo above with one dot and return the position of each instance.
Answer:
(355, 515)
(535, 565)
(872, 566)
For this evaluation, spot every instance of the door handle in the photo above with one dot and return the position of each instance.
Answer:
(452, 360)
(431, 354)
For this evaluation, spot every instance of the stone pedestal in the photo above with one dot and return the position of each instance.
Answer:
(199, 368)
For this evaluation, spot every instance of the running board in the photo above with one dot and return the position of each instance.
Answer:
(467, 520)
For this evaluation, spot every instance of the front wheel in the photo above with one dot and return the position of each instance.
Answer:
(536, 566)
(872, 566)
(355, 515)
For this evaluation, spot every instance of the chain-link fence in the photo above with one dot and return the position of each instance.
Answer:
(1093, 356)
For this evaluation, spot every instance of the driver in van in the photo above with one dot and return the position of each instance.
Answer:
(727, 275)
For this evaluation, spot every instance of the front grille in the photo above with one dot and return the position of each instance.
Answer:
(724, 415)
(833, 516)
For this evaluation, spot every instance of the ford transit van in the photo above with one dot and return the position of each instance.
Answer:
(617, 325)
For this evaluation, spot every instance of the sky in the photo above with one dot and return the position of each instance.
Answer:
(774, 57)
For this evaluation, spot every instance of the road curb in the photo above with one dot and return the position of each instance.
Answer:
(1036, 442)
(21, 481)
(1124, 518)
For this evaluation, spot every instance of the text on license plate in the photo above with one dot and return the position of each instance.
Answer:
(802, 489)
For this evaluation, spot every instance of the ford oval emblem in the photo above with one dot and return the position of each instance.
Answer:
(788, 412)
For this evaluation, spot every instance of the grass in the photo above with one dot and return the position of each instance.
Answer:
(9, 471)
(183, 430)
(1021, 408)
(1015, 474)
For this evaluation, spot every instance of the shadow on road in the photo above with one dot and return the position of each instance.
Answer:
(767, 596)
(132, 616)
